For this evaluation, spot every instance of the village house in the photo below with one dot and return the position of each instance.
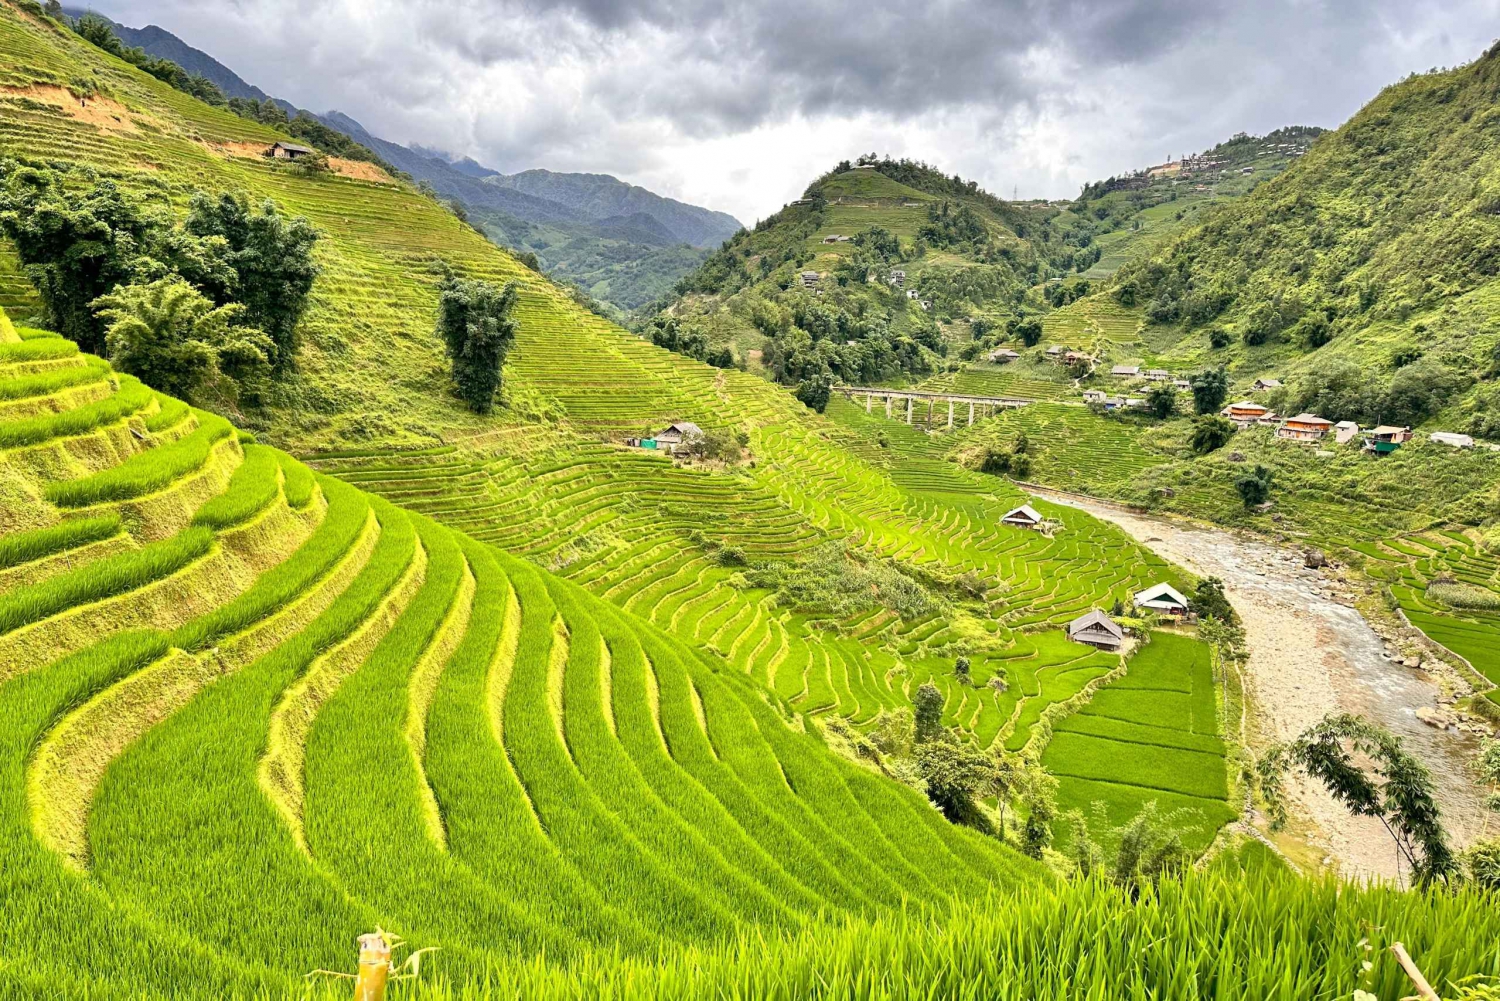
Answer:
(1246, 413)
(676, 434)
(1386, 439)
(1182, 384)
(1094, 396)
(1073, 357)
(912, 293)
(1125, 371)
(925, 303)
(1054, 352)
(898, 279)
(1024, 516)
(1163, 599)
(1113, 403)
(1135, 403)
(1345, 431)
(1304, 427)
(1004, 356)
(289, 151)
(1157, 375)
(1451, 438)
(1261, 385)
(809, 279)
(1097, 630)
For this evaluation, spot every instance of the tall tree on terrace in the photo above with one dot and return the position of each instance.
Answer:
(75, 246)
(475, 323)
(1210, 387)
(272, 255)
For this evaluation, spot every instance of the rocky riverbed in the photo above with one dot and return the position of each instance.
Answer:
(1312, 653)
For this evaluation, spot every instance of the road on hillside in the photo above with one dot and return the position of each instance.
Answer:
(1311, 654)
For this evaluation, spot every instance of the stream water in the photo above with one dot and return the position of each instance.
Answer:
(1312, 653)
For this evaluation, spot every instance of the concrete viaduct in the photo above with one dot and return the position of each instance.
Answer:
(985, 406)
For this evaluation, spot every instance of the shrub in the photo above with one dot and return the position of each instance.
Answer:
(1457, 595)
(1209, 600)
(172, 338)
(1254, 485)
(815, 391)
(1210, 432)
(927, 710)
(475, 323)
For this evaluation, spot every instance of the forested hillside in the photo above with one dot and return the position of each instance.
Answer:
(1365, 274)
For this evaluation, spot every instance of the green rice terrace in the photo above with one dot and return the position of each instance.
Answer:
(572, 717)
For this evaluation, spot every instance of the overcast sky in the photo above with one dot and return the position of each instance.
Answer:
(737, 105)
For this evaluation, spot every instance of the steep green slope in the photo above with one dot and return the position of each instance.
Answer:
(1379, 247)
(235, 688)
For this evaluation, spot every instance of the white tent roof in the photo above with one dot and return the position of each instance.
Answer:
(1164, 594)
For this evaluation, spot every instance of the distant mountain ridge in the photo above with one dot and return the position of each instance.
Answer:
(622, 243)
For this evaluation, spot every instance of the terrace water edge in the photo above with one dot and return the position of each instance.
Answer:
(1311, 654)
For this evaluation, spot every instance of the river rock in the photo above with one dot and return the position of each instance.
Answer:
(1314, 559)
(1434, 718)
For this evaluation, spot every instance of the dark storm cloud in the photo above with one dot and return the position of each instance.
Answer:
(738, 103)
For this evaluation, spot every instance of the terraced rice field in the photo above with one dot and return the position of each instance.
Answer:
(1451, 562)
(240, 687)
(1071, 447)
(1152, 735)
(1097, 324)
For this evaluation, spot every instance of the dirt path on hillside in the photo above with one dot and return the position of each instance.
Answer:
(1312, 653)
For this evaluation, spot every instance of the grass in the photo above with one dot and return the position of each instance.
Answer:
(32, 430)
(253, 487)
(39, 349)
(145, 472)
(102, 579)
(20, 387)
(23, 547)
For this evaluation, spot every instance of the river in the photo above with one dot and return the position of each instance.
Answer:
(1312, 653)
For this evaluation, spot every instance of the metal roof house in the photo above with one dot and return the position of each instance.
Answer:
(677, 433)
(1126, 371)
(1024, 516)
(1004, 356)
(1452, 438)
(1264, 384)
(1345, 431)
(289, 151)
(1097, 630)
(1162, 598)
(1305, 427)
(1387, 438)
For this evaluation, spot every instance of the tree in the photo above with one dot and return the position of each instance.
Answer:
(1210, 388)
(1029, 331)
(474, 320)
(1161, 399)
(170, 336)
(1366, 769)
(928, 708)
(1254, 485)
(962, 671)
(955, 771)
(1209, 600)
(273, 257)
(1210, 432)
(1040, 800)
(1008, 778)
(76, 246)
(815, 390)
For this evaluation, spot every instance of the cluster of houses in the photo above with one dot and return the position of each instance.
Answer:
(1100, 631)
(837, 238)
(1099, 398)
(913, 294)
(1312, 429)
(1150, 375)
(670, 439)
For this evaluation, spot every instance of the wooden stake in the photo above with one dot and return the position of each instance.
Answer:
(1424, 989)
(374, 967)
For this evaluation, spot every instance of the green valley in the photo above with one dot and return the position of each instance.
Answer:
(657, 665)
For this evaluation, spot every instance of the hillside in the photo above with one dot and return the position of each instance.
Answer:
(585, 717)
(572, 222)
(1376, 251)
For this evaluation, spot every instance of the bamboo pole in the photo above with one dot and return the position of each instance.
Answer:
(1424, 989)
(374, 967)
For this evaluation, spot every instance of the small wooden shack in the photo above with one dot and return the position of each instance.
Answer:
(289, 151)
(1024, 516)
(1097, 630)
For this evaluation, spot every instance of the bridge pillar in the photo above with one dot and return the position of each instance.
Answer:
(908, 410)
(950, 415)
(869, 401)
(929, 414)
(971, 413)
(887, 408)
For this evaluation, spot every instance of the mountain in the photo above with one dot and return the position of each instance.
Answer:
(599, 196)
(621, 243)
(1365, 275)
